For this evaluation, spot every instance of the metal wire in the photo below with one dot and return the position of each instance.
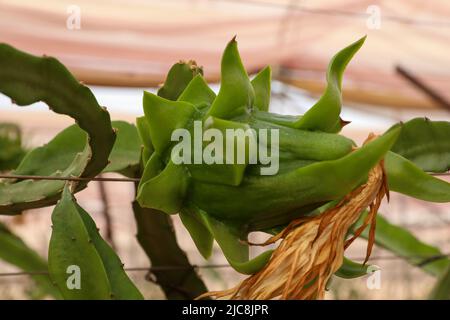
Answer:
(131, 269)
(33, 177)
(425, 261)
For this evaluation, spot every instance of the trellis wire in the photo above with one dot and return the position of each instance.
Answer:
(108, 179)
(425, 261)
(37, 177)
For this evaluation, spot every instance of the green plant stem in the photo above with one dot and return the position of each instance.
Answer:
(156, 236)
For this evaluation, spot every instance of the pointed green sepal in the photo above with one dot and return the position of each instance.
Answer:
(198, 93)
(165, 190)
(144, 133)
(163, 117)
(236, 252)
(261, 85)
(178, 78)
(197, 228)
(351, 269)
(324, 115)
(236, 93)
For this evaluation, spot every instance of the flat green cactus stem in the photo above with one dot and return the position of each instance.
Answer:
(404, 244)
(16, 252)
(430, 149)
(27, 79)
(65, 155)
(77, 249)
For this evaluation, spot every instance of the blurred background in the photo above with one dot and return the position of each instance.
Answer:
(120, 48)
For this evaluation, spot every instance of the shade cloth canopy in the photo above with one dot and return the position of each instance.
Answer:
(133, 43)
